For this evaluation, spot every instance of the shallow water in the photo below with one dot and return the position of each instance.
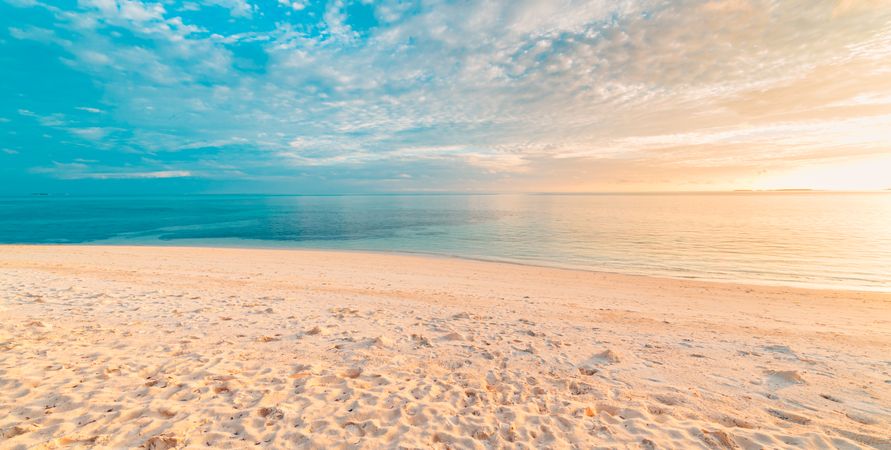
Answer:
(808, 239)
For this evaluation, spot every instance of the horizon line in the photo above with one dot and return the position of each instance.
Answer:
(444, 193)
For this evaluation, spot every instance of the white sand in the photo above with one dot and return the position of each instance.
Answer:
(175, 347)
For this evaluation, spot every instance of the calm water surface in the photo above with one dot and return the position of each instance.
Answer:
(822, 240)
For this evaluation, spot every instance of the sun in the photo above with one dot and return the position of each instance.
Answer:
(861, 174)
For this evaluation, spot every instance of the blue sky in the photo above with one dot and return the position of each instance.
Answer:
(285, 96)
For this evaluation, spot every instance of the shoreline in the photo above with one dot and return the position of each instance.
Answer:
(493, 260)
(171, 347)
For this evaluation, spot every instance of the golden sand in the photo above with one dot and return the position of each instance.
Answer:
(122, 347)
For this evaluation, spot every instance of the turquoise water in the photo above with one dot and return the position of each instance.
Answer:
(806, 239)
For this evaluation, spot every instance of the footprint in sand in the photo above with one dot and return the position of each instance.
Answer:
(735, 422)
(861, 418)
(17, 430)
(379, 341)
(779, 349)
(577, 388)
(789, 417)
(590, 367)
(354, 431)
(42, 326)
(317, 330)
(161, 442)
(606, 357)
(421, 341)
(352, 372)
(782, 378)
(341, 313)
(718, 439)
(452, 337)
(271, 414)
(787, 351)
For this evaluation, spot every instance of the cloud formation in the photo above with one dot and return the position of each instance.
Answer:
(474, 95)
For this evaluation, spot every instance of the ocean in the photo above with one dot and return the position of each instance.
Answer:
(831, 240)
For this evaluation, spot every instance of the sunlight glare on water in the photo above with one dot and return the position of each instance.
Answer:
(805, 239)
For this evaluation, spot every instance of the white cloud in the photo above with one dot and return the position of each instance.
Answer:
(133, 10)
(140, 12)
(238, 8)
(87, 171)
(297, 5)
(91, 133)
(139, 175)
(501, 86)
(34, 34)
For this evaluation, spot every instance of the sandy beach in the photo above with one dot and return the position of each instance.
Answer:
(127, 347)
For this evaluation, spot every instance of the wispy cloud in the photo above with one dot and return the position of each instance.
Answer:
(482, 93)
(85, 171)
(140, 175)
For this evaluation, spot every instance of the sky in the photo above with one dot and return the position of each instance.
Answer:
(341, 96)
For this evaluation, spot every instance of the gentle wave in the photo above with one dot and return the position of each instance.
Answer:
(814, 240)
